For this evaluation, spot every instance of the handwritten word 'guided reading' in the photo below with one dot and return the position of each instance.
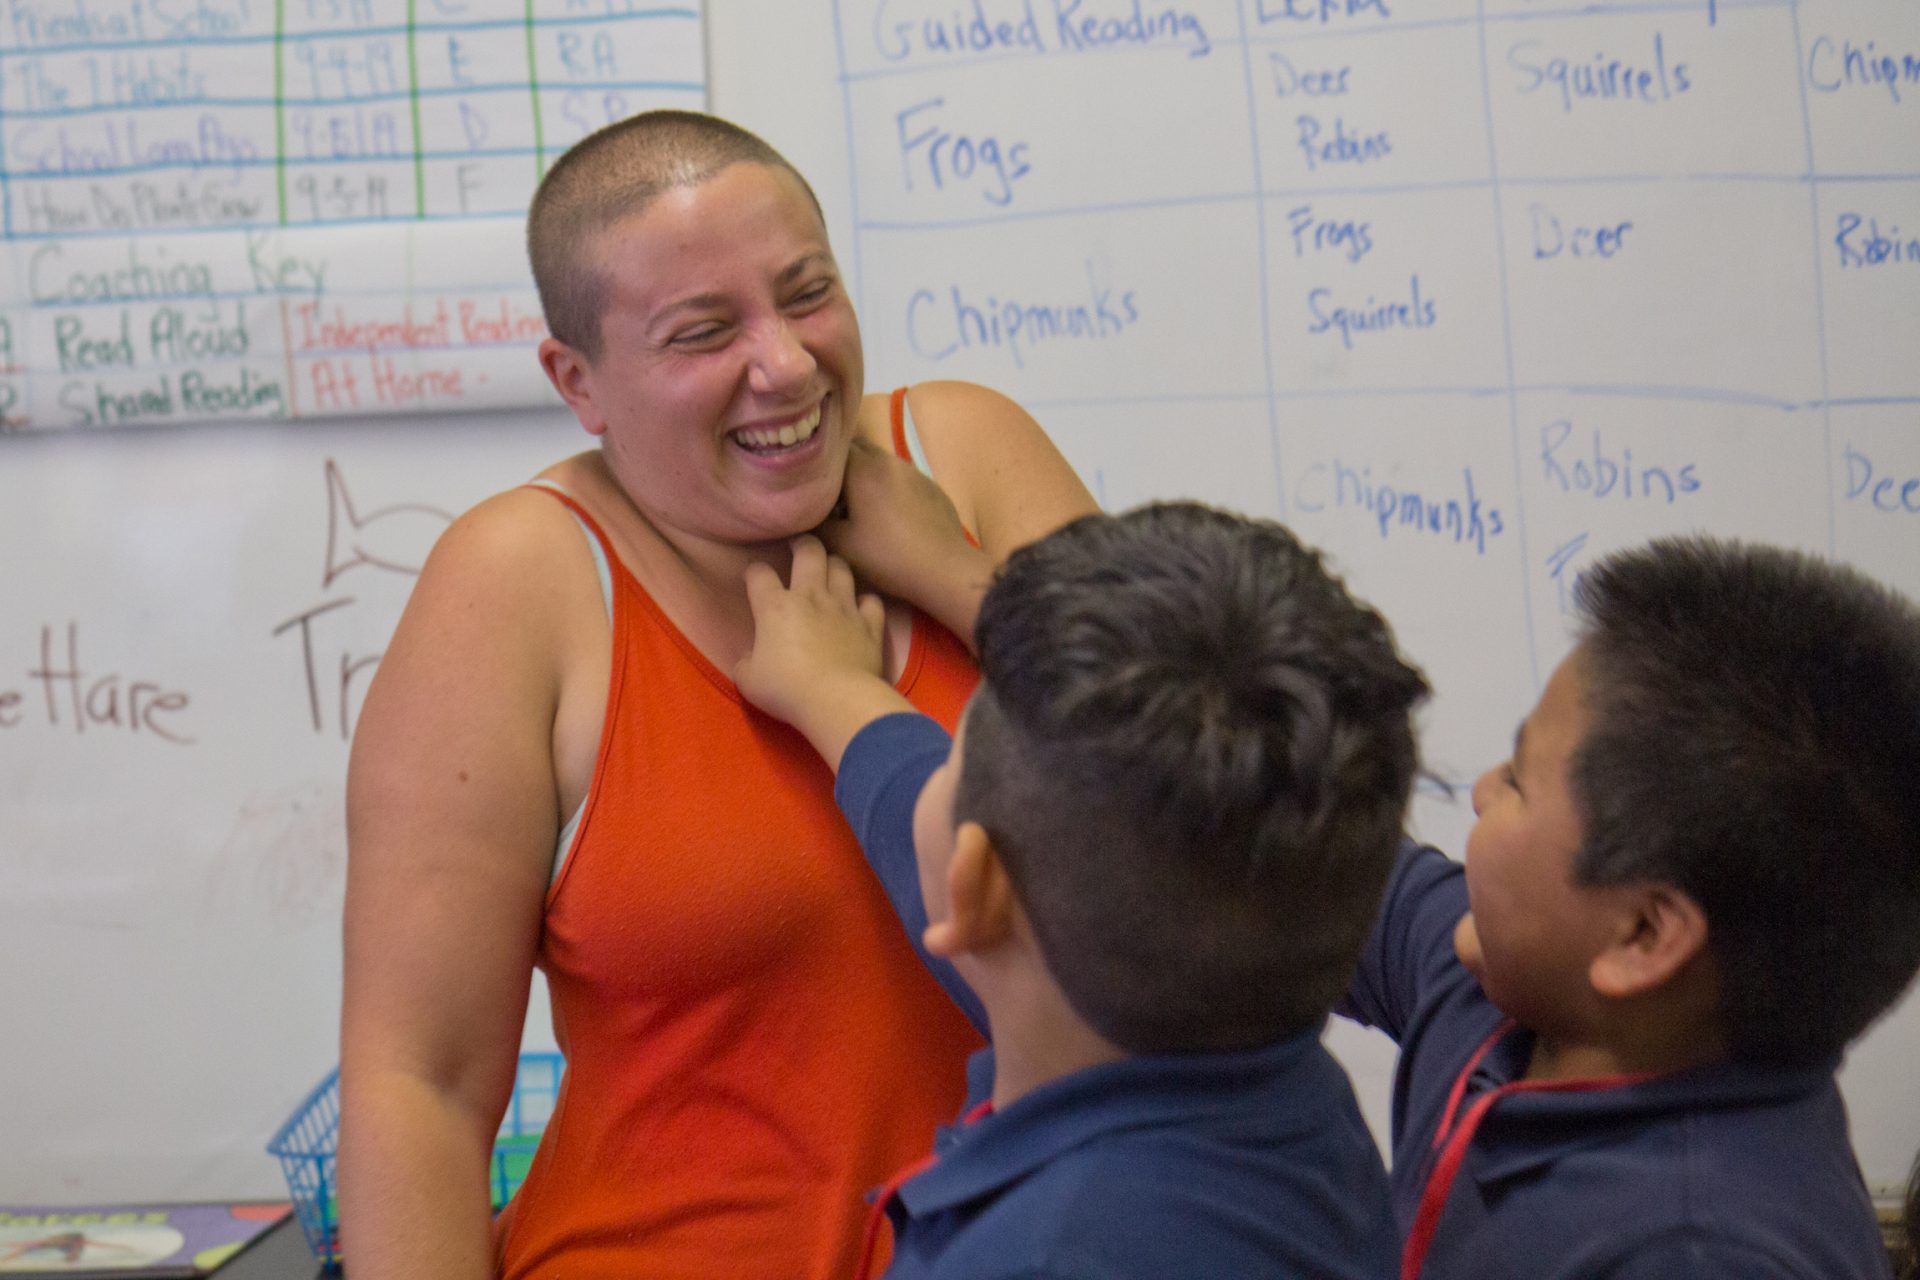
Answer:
(79, 699)
(1057, 27)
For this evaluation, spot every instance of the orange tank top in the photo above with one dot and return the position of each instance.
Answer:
(751, 1042)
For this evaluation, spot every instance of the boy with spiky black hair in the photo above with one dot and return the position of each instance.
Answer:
(1694, 884)
(1152, 852)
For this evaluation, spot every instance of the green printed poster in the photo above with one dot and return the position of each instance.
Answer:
(220, 209)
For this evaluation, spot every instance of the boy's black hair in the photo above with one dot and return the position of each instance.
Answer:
(1753, 737)
(1192, 750)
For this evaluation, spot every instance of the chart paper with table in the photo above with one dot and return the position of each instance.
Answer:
(1467, 291)
(294, 208)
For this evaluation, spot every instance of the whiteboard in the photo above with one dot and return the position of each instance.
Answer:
(1748, 341)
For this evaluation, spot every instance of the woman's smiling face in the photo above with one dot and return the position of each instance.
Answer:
(730, 372)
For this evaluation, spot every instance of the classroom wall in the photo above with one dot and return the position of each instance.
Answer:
(1572, 321)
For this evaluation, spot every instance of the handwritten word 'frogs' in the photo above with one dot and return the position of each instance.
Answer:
(1891, 494)
(1071, 26)
(1553, 239)
(77, 698)
(938, 331)
(1862, 244)
(1603, 78)
(1315, 234)
(1591, 470)
(948, 157)
(1831, 68)
(1415, 312)
(1461, 518)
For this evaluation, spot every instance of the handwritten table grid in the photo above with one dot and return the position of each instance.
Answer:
(233, 208)
(1671, 139)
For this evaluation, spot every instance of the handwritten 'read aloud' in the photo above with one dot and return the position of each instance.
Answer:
(149, 338)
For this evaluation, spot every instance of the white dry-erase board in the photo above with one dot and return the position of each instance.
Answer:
(1470, 292)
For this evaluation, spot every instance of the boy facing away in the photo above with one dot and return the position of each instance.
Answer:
(1153, 850)
(1694, 883)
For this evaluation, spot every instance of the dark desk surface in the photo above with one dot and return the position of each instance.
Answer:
(280, 1254)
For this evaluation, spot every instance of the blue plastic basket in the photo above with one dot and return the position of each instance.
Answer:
(306, 1144)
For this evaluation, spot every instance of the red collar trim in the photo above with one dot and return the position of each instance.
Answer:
(877, 1213)
(1455, 1134)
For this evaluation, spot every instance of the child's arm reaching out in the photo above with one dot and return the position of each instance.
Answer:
(815, 661)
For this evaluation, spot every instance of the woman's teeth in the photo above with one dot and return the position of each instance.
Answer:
(783, 437)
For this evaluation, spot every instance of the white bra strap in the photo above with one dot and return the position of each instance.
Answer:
(912, 433)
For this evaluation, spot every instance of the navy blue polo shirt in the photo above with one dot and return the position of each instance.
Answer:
(1727, 1170)
(1161, 1167)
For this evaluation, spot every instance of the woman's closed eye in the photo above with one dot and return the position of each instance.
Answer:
(813, 295)
(707, 334)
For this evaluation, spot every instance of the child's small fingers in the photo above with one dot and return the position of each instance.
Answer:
(840, 579)
(762, 584)
(809, 562)
(873, 612)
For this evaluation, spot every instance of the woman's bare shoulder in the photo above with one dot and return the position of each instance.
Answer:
(513, 533)
(514, 574)
(1007, 479)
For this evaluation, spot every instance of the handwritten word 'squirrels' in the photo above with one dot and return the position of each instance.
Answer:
(1574, 81)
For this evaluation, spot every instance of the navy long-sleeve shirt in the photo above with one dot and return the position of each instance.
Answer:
(1722, 1171)
(1161, 1167)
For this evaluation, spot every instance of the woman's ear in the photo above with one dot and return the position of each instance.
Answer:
(1662, 930)
(980, 901)
(572, 376)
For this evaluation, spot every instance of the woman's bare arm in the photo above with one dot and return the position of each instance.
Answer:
(452, 815)
(1008, 481)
